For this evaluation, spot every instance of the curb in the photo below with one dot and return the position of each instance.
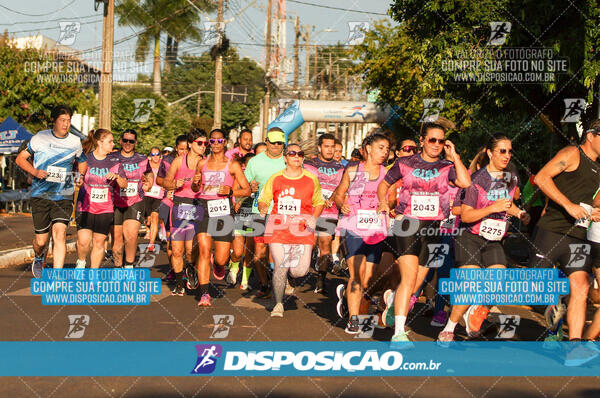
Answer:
(15, 258)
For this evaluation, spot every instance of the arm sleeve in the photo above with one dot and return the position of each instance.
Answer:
(266, 195)
(452, 174)
(393, 174)
(31, 146)
(79, 155)
(249, 173)
(470, 196)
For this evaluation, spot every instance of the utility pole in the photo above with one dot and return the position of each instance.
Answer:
(296, 55)
(315, 68)
(198, 103)
(267, 103)
(108, 34)
(330, 85)
(218, 70)
(307, 53)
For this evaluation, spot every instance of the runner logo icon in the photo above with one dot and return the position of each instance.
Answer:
(222, 325)
(579, 254)
(437, 254)
(77, 325)
(499, 33)
(431, 109)
(574, 108)
(207, 358)
(508, 326)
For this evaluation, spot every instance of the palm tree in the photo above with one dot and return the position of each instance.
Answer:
(177, 18)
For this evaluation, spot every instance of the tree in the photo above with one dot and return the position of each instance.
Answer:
(197, 74)
(34, 82)
(175, 17)
(164, 124)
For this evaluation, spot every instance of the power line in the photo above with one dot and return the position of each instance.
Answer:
(335, 8)
(49, 28)
(49, 20)
(37, 15)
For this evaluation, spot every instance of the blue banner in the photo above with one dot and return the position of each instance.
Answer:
(289, 120)
(298, 358)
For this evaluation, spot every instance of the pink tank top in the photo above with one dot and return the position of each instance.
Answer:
(212, 181)
(188, 175)
(156, 191)
(363, 219)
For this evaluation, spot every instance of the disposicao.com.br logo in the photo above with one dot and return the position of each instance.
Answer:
(289, 362)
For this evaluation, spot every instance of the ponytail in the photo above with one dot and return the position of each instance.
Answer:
(91, 142)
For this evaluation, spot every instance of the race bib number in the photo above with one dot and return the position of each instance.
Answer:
(584, 222)
(131, 190)
(367, 219)
(425, 205)
(154, 191)
(288, 205)
(218, 207)
(491, 229)
(326, 194)
(56, 174)
(99, 195)
(186, 212)
(449, 223)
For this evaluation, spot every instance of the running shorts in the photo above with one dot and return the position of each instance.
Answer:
(134, 212)
(97, 223)
(421, 238)
(220, 228)
(46, 212)
(355, 246)
(473, 249)
(569, 253)
(151, 205)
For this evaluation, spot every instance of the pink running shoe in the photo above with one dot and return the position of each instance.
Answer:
(204, 300)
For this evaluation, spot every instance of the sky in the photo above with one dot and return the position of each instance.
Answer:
(330, 19)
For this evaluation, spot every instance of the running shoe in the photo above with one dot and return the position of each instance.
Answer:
(219, 271)
(580, 354)
(336, 268)
(150, 247)
(38, 265)
(445, 338)
(379, 324)
(554, 315)
(178, 290)
(264, 293)
(191, 276)
(341, 306)
(108, 255)
(289, 289)
(439, 320)
(320, 287)
(204, 300)
(388, 312)
(400, 341)
(169, 277)
(474, 318)
(553, 339)
(232, 277)
(128, 266)
(277, 311)
(353, 326)
(244, 285)
(80, 264)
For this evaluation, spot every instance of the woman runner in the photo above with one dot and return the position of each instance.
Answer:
(424, 202)
(215, 178)
(186, 208)
(485, 207)
(153, 197)
(290, 229)
(95, 204)
(363, 230)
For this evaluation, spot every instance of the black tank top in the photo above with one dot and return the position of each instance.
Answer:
(579, 186)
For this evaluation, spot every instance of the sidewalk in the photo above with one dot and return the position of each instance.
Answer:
(16, 236)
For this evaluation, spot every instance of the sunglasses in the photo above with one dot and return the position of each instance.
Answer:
(216, 140)
(434, 140)
(409, 148)
(127, 141)
(201, 142)
(275, 143)
(155, 154)
(296, 153)
(503, 151)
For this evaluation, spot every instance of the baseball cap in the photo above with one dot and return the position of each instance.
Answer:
(167, 149)
(275, 135)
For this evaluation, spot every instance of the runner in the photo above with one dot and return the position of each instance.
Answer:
(129, 205)
(186, 210)
(260, 148)
(260, 168)
(244, 145)
(485, 207)
(297, 204)
(363, 230)
(54, 153)
(338, 153)
(153, 197)
(329, 173)
(243, 245)
(164, 210)
(424, 202)
(218, 176)
(569, 181)
(95, 201)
